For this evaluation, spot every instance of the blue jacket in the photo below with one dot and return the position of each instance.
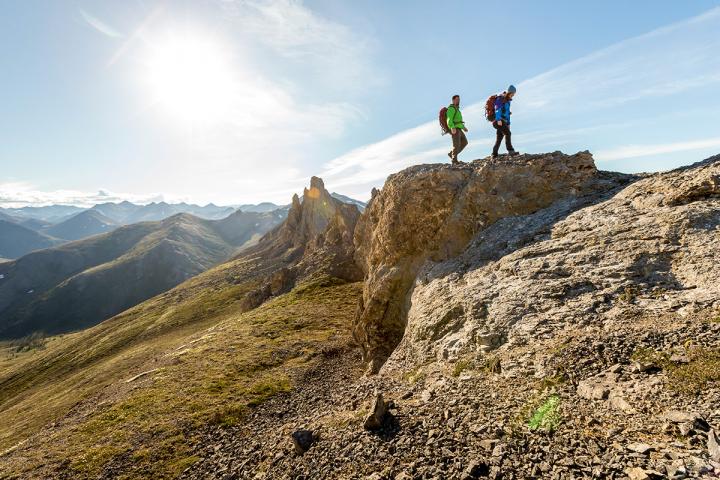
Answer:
(502, 109)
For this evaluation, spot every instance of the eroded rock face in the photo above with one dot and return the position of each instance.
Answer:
(316, 239)
(431, 212)
(649, 248)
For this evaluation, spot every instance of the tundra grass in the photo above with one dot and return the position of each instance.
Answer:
(203, 362)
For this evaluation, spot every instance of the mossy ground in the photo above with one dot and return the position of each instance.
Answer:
(208, 363)
(699, 370)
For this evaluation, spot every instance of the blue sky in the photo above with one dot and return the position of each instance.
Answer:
(235, 101)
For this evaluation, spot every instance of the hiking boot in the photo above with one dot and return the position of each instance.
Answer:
(512, 153)
(494, 155)
(450, 156)
(455, 161)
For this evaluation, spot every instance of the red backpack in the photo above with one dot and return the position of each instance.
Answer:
(442, 117)
(490, 108)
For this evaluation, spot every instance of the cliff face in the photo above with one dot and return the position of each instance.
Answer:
(431, 212)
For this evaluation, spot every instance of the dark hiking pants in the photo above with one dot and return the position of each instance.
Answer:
(502, 131)
(459, 143)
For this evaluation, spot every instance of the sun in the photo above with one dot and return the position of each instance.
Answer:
(190, 76)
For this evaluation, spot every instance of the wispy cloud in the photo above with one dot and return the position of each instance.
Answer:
(99, 25)
(607, 95)
(669, 60)
(21, 194)
(332, 53)
(293, 81)
(635, 151)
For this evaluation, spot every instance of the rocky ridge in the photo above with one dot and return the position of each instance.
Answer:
(647, 250)
(430, 213)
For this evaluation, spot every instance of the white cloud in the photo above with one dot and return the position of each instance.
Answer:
(278, 91)
(573, 103)
(21, 194)
(672, 59)
(99, 25)
(635, 151)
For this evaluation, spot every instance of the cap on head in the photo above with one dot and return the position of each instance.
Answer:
(511, 89)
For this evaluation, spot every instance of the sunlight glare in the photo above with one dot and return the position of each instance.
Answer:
(191, 77)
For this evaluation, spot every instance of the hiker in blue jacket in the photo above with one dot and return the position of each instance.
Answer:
(502, 121)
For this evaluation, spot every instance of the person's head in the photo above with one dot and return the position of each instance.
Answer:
(456, 100)
(511, 91)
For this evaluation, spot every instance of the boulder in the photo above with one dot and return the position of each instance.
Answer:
(713, 445)
(539, 271)
(592, 391)
(378, 416)
(302, 440)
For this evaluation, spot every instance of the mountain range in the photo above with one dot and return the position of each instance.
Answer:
(25, 229)
(84, 282)
(113, 267)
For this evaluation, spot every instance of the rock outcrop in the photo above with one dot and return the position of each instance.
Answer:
(316, 239)
(431, 212)
(650, 249)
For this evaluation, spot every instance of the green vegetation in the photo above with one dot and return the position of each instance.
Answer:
(27, 343)
(692, 377)
(651, 357)
(491, 364)
(415, 375)
(550, 383)
(547, 416)
(702, 369)
(462, 365)
(203, 360)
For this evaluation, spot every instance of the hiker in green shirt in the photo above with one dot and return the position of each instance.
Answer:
(457, 129)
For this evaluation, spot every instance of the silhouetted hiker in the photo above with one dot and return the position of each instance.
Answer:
(453, 122)
(497, 110)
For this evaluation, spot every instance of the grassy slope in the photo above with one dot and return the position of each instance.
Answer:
(209, 363)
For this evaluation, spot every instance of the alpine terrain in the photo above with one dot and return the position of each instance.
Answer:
(515, 317)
